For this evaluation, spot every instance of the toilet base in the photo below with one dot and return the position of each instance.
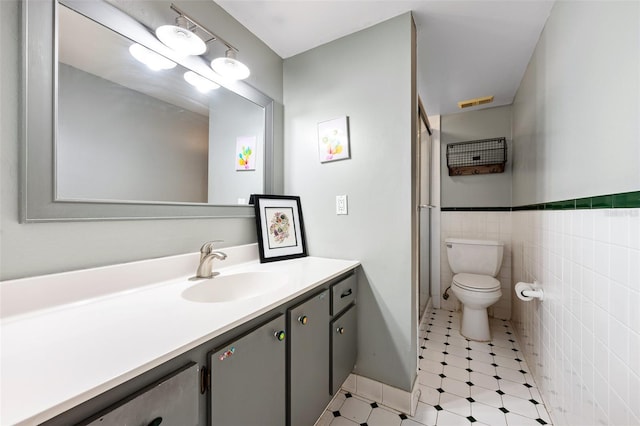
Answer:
(475, 324)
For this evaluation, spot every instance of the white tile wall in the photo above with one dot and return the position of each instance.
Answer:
(478, 225)
(582, 342)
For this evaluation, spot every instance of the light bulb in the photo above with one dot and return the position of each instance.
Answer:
(229, 67)
(150, 58)
(181, 40)
(204, 85)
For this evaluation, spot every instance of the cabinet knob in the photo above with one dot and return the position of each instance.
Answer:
(302, 319)
(280, 335)
(340, 330)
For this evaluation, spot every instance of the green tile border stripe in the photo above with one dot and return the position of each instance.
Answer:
(625, 200)
(475, 209)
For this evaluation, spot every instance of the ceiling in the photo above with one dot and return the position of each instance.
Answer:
(466, 49)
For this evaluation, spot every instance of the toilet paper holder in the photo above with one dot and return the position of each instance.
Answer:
(529, 291)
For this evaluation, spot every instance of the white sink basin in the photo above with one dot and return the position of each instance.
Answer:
(239, 286)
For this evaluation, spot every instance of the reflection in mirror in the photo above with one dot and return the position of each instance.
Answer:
(129, 133)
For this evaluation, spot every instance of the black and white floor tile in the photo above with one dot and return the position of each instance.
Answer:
(461, 382)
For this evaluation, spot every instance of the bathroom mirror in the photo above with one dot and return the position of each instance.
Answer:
(108, 138)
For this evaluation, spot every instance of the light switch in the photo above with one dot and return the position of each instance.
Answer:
(341, 204)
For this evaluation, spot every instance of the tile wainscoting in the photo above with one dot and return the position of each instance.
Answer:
(582, 342)
(484, 225)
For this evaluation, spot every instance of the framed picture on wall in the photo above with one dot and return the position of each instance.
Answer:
(245, 153)
(333, 139)
(280, 227)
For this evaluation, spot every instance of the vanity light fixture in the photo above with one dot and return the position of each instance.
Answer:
(229, 67)
(182, 38)
(204, 85)
(150, 58)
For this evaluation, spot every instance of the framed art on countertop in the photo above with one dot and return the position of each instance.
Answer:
(280, 227)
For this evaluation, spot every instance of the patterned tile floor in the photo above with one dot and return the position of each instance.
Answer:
(461, 382)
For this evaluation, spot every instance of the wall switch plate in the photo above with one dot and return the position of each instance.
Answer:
(341, 204)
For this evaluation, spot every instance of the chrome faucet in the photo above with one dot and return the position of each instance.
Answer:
(207, 255)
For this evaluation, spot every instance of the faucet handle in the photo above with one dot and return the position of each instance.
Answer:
(207, 247)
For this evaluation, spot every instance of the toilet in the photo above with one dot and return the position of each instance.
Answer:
(475, 263)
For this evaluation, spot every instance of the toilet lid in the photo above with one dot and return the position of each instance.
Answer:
(476, 282)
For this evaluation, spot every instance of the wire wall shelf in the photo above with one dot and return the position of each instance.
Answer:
(477, 157)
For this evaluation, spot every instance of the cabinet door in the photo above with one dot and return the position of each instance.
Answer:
(309, 360)
(248, 378)
(343, 347)
(171, 401)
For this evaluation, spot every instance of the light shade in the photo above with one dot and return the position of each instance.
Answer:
(181, 40)
(150, 58)
(203, 85)
(229, 67)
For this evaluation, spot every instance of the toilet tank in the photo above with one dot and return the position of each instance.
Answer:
(474, 256)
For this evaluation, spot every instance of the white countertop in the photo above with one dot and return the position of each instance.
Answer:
(57, 355)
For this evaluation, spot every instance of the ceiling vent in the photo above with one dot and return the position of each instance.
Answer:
(475, 102)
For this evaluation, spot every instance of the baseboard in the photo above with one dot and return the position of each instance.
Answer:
(398, 399)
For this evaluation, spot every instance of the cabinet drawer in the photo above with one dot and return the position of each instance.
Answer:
(343, 347)
(173, 400)
(343, 294)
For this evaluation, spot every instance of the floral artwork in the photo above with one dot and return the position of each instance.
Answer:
(280, 227)
(245, 153)
(333, 139)
(243, 156)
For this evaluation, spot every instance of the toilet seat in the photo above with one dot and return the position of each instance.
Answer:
(475, 282)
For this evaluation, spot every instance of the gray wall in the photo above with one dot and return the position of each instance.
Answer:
(115, 143)
(41, 248)
(231, 117)
(353, 76)
(490, 190)
(576, 126)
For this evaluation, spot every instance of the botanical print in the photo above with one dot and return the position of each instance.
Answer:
(281, 227)
(333, 139)
(245, 149)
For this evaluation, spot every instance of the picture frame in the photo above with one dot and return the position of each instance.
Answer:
(245, 158)
(280, 227)
(333, 140)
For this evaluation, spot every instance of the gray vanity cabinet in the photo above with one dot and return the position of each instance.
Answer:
(174, 400)
(252, 375)
(248, 378)
(309, 359)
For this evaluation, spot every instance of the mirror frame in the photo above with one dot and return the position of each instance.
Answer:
(39, 122)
